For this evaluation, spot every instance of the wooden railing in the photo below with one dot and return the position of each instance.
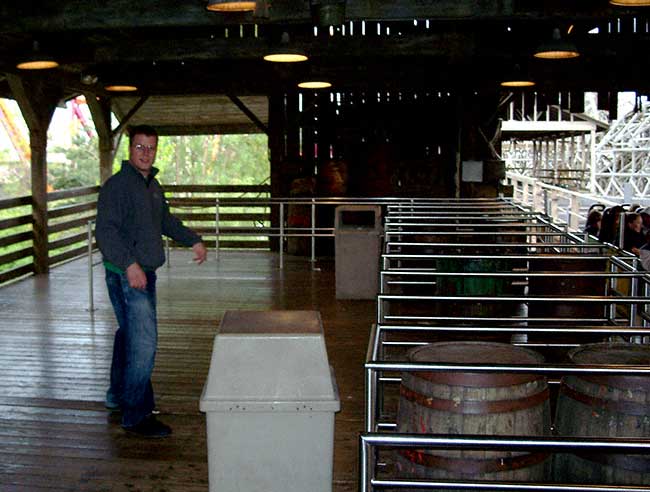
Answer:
(70, 211)
(68, 215)
(16, 238)
(242, 208)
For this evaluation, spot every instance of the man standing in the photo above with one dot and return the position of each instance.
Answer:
(132, 216)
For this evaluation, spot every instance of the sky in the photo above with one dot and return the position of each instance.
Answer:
(63, 126)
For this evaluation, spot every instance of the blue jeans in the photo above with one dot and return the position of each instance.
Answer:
(134, 349)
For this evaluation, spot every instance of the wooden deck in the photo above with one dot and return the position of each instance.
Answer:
(54, 431)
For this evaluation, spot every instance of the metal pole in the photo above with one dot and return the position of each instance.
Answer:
(592, 159)
(371, 399)
(169, 260)
(547, 211)
(574, 213)
(553, 206)
(216, 229)
(612, 288)
(621, 230)
(364, 448)
(644, 323)
(91, 294)
(633, 292)
(524, 198)
(313, 232)
(281, 245)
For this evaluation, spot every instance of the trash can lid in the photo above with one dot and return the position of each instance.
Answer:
(272, 321)
(357, 218)
(269, 361)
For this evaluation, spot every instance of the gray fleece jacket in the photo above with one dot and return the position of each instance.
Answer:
(132, 217)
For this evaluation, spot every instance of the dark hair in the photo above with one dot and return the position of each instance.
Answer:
(147, 130)
(609, 225)
(594, 217)
(631, 217)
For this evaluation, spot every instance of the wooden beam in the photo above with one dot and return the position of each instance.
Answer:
(124, 120)
(37, 102)
(252, 116)
(208, 129)
(109, 139)
(66, 15)
(100, 110)
(277, 154)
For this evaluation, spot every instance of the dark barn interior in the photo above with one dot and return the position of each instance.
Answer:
(416, 91)
(415, 85)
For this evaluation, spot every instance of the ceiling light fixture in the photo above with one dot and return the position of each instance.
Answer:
(517, 78)
(630, 3)
(285, 53)
(517, 83)
(315, 84)
(121, 88)
(230, 6)
(37, 60)
(557, 48)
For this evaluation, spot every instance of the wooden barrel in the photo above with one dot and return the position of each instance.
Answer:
(473, 403)
(605, 406)
(567, 287)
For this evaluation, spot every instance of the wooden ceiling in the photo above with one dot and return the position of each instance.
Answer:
(197, 114)
(174, 48)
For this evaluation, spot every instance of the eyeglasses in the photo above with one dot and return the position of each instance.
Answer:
(144, 148)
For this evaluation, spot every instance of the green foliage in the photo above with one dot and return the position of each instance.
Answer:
(12, 213)
(201, 159)
(15, 179)
(81, 165)
(212, 159)
(209, 159)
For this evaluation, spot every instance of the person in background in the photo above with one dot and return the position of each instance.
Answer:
(633, 239)
(610, 224)
(593, 223)
(645, 217)
(132, 216)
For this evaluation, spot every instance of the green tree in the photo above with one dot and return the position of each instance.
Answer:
(209, 159)
(243, 159)
(81, 165)
(14, 176)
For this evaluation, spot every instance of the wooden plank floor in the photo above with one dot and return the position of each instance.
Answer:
(55, 354)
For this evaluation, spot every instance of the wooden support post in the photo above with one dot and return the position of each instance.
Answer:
(277, 153)
(109, 138)
(100, 110)
(37, 102)
(458, 146)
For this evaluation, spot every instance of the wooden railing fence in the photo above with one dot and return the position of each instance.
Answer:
(70, 211)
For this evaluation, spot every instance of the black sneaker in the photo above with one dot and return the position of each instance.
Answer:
(149, 427)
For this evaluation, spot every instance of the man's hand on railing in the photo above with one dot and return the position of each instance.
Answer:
(200, 253)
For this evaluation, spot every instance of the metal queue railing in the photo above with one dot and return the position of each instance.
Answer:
(282, 231)
(411, 313)
(315, 229)
(553, 201)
